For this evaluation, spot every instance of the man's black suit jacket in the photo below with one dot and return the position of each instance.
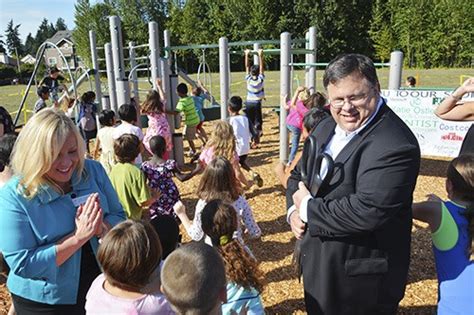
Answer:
(355, 252)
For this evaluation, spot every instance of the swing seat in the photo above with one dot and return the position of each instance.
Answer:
(211, 113)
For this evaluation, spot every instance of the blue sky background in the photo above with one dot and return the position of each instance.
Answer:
(30, 14)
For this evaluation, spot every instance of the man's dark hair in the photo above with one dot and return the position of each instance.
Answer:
(106, 117)
(235, 104)
(127, 148)
(182, 88)
(42, 90)
(128, 113)
(347, 64)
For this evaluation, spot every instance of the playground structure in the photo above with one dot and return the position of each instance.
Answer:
(121, 87)
(163, 67)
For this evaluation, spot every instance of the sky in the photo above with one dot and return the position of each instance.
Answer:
(30, 14)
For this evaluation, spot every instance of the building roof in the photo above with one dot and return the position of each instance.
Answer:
(61, 35)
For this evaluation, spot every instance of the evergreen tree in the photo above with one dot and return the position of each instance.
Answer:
(2, 45)
(60, 25)
(381, 31)
(28, 48)
(13, 40)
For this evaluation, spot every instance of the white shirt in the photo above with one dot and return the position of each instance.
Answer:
(340, 139)
(128, 128)
(240, 124)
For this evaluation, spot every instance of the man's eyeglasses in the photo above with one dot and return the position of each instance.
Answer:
(355, 100)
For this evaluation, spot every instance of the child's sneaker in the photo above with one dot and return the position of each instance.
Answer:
(191, 153)
(257, 179)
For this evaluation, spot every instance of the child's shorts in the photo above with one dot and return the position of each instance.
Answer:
(189, 132)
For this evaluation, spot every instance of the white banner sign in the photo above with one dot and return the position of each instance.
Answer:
(436, 137)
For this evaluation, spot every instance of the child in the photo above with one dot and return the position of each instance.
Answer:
(410, 82)
(299, 105)
(452, 222)
(191, 119)
(6, 146)
(52, 82)
(43, 94)
(67, 106)
(222, 143)
(245, 280)
(129, 182)
(128, 115)
(255, 94)
(294, 120)
(219, 182)
(159, 173)
(105, 140)
(310, 120)
(87, 120)
(193, 280)
(199, 104)
(130, 256)
(154, 108)
(6, 122)
(241, 127)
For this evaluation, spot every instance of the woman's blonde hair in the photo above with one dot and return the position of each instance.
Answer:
(38, 146)
(222, 140)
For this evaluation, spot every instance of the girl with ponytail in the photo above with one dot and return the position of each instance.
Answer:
(244, 278)
(452, 223)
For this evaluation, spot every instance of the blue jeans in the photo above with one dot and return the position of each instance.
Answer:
(295, 141)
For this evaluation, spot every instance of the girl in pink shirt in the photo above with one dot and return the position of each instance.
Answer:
(130, 256)
(222, 143)
(154, 108)
(299, 105)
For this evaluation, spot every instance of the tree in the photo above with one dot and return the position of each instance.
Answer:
(2, 45)
(13, 40)
(60, 25)
(45, 31)
(381, 31)
(29, 46)
(86, 18)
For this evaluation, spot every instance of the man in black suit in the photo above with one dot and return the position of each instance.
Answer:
(355, 232)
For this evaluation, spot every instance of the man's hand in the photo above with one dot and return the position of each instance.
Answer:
(299, 195)
(297, 226)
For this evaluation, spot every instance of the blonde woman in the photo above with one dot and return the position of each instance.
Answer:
(221, 143)
(54, 210)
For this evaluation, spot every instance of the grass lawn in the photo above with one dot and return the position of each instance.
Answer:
(10, 96)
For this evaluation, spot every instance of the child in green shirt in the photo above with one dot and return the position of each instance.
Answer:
(191, 119)
(129, 181)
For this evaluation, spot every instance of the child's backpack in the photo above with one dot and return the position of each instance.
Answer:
(87, 120)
